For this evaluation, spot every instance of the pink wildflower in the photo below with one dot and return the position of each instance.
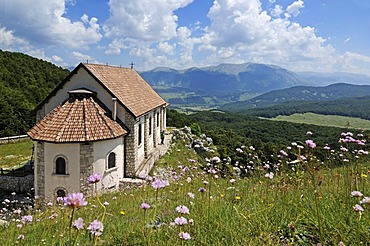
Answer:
(310, 144)
(356, 193)
(94, 178)
(74, 200)
(144, 206)
(96, 228)
(184, 235)
(358, 208)
(78, 224)
(158, 183)
(181, 221)
(182, 209)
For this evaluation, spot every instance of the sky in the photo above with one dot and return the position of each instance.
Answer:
(299, 35)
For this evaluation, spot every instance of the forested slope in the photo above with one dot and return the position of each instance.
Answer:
(24, 82)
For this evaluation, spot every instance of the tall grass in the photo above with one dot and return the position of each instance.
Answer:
(310, 205)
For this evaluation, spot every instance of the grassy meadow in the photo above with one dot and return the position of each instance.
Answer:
(326, 120)
(13, 155)
(297, 200)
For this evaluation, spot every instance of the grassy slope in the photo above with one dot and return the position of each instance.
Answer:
(302, 208)
(13, 154)
(325, 120)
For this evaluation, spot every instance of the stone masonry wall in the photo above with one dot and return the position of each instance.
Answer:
(40, 182)
(131, 147)
(86, 160)
(17, 184)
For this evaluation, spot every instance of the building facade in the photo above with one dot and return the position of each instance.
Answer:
(100, 119)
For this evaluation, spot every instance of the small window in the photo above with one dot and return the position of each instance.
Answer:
(111, 160)
(150, 125)
(60, 166)
(157, 119)
(61, 193)
(139, 134)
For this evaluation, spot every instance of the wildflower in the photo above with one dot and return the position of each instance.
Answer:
(239, 150)
(78, 224)
(20, 237)
(216, 159)
(356, 193)
(191, 222)
(251, 148)
(74, 200)
(191, 195)
(309, 133)
(358, 208)
(188, 179)
(237, 198)
(201, 189)
(343, 149)
(49, 204)
(310, 144)
(205, 182)
(365, 200)
(269, 175)
(94, 178)
(19, 226)
(13, 193)
(232, 181)
(144, 206)
(53, 216)
(27, 219)
(181, 221)
(182, 209)
(363, 175)
(96, 228)
(158, 183)
(106, 203)
(122, 212)
(184, 235)
(283, 153)
(326, 147)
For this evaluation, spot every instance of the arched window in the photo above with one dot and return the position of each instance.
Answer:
(61, 193)
(111, 160)
(60, 166)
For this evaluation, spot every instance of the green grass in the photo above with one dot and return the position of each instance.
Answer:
(13, 155)
(325, 120)
(301, 207)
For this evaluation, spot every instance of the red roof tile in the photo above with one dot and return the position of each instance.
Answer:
(79, 119)
(128, 86)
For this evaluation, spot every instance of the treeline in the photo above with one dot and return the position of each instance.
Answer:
(24, 82)
(230, 131)
(351, 107)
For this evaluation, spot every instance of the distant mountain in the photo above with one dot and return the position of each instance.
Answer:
(247, 77)
(323, 79)
(301, 93)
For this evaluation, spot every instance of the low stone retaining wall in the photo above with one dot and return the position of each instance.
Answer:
(17, 184)
(13, 139)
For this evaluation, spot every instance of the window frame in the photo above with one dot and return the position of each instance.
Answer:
(109, 160)
(58, 167)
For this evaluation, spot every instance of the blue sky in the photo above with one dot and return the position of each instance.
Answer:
(300, 35)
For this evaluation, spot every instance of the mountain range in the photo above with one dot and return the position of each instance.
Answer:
(246, 77)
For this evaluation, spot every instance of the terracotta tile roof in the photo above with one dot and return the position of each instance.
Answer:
(128, 87)
(79, 119)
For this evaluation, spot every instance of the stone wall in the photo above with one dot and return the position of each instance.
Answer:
(131, 147)
(17, 184)
(86, 160)
(40, 169)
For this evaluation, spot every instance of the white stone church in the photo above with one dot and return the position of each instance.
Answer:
(100, 119)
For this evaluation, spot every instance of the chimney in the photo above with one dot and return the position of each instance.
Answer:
(114, 113)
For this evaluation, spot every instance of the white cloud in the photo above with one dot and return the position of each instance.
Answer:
(42, 22)
(347, 40)
(165, 47)
(7, 38)
(57, 59)
(148, 20)
(294, 8)
(277, 11)
(81, 57)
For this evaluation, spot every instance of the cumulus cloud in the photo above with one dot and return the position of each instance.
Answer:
(81, 57)
(294, 8)
(43, 22)
(7, 38)
(149, 20)
(165, 47)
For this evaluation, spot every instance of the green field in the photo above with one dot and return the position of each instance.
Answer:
(14, 154)
(325, 120)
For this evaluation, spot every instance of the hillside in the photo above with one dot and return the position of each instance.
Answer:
(24, 82)
(245, 77)
(301, 93)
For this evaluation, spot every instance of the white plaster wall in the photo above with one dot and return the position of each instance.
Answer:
(83, 80)
(35, 167)
(102, 149)
(71, 181)
(150, 140)
(140, 148)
